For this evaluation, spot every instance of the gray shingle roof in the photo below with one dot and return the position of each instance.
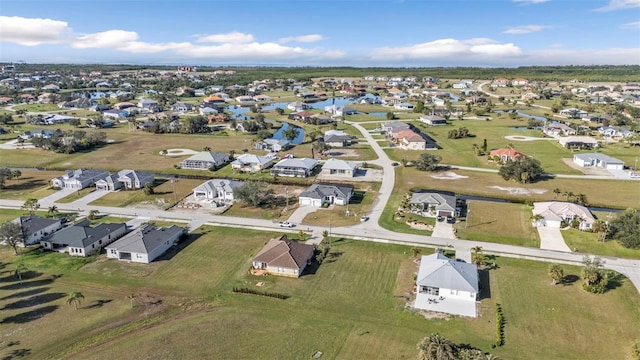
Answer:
(83, 235)
(320, 191)
(145, 239)
(33, 224)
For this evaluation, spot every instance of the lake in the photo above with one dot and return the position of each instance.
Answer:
(279, 135)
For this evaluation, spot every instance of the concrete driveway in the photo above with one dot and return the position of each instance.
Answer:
(551, 239)
(443, 230)
(301, 212)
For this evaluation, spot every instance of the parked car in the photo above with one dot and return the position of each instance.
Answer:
(286, 224)
(364, 218)
(395, 163)
(440, 218)
(451, 219)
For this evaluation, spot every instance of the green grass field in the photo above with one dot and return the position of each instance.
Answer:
(163, 194)
(31, 184)
(349, 307)
(588, 242)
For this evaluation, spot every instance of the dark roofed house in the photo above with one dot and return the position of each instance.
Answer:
(320, 194)
(145, 244)
(82, 239)
(281, 256)
(35, 227)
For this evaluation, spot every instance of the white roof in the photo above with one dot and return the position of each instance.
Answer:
(338, 164)
(304, 163)
(440, 271)
(601, 157)
(251, 159)
(559, 210)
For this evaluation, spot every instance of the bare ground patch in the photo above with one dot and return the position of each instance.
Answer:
(449, 175)
(519, 190)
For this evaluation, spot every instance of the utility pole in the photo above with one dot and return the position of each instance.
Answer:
(466, 220)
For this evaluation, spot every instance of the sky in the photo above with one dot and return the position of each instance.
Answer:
(360, 33)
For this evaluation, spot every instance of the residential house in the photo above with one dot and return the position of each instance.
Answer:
(404, 106)
(433, 204)
(79, 179)
(273, 145)
(82, 239)
(338, 110)
(219, 190)
(519, 82)
(558, 129)
(34, 227)
(319, 119)
(324, 194)
(244, 99)
(145, 244)
(296, 167)
(446, 285)
(79, 103)
(460, 85)
(115, 113)
(181, 107)
(598, 160)
(281, 256)
(298, 106)
(336, 138)
(578, 141)
(433, 120)
(205, 160)
(410, 140)
(505, 154)
(573, 113)
(303, 116)
(500, 82)
(554, 213)
(251, 163)
(133, 179)
(207, 111)
(615, 131)
(151, 106)
(109, 183)
(392, 127)
(339, 168)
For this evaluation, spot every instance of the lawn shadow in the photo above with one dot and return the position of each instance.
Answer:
(26, 275)
(615, 280)
(34, 301)
(333, 256)
(25, 293)
(568, 280)
(30, 315)
(97, 304)
(174, 250)
(16, 354)
(28, 284)
(484, 284)
(311, 269)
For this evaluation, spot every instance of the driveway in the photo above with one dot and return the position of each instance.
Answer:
(92, 196)
(300, 213)
(551, 239)
(49, 200)
(443, 230)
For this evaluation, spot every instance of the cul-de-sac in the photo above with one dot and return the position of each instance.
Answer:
(184, 209)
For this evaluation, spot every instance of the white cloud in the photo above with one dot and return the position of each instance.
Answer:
(444, 48)
(234, 37)
(619, 4)
(107, 39)
(529, 2)
(525, 29)
(302, 38)
(33, 31)
(631, 25)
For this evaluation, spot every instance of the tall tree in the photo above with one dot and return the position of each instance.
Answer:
(428, 162)
(625, 228)
(11, 234)
(31, 206)
(75, 299)
(557, 273)
(53, 211)
(477, 257)
(557, 192)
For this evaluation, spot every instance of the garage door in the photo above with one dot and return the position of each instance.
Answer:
(445, 213)
(305, 201)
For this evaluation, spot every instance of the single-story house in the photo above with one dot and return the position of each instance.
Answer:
(34, 227)
(338, 110)
(115, 113)
(553, 213)
(574, 113)
(281, 256)
(132, 179)
(273, 145)
(251, 163)
(615, 131)
(404, 106)
(82, 239)
(446, 285)
(303, 116)
(392, 127)
(339, 168)
(336, 138)
(557, 129)
(433, 204)
(297, 106)
(181, 106)
(205, 160)
(410, 140)
(578, 141)
(145, 244)
(321, 194)
(220, 190)
(79, 179)
(109, 183)
(598, 160)
(296, 167)
(433, 120)
(506, 154)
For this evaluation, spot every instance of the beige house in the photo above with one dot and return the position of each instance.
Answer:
(284, 257)
(339, 168)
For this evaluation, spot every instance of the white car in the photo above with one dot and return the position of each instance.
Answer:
(364, 218)
(286, 224)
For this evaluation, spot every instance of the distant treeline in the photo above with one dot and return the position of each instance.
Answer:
(618, 73)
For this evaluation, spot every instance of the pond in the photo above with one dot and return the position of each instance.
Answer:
(526, 128)
(541, 118)
(279, 135)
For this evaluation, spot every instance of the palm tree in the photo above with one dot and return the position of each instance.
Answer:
(581, 199)
(93, 214)
(557, 192)
(148, 189)
(132, 298)
(53, 211)
(557, 273)
(436, 347)
(569, 195)
(416, 251)
(476, 255)
(74, 299)
(20, 269)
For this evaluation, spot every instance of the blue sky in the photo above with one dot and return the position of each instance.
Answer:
(322, 33)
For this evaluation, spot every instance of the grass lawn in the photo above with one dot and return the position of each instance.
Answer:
(37, 107)
(32, 184)
(10, 214)
(588, 242)
(163, 194)
(502, 223)
(351, 306)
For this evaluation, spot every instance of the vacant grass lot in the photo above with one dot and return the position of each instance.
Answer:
(77, 195)
(588, 242)
(163, 194)
(500, 223)
(37, 107)
(360, 205)
(349, 307)
(31, 184)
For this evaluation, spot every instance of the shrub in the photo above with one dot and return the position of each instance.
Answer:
(635, 351)
(260, 293)
(499, 325)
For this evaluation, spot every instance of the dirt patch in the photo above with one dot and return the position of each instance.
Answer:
(586, 170)
(180, 152)
(342, 153)
(420, 226)
(449, 175)
(519, 191)
(525, 138)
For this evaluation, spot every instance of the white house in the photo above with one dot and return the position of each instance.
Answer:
(433, 204)
(296, 167)
(34, 227)
(79, 179)
(82, 239)
(281, 256)
(251, 163)
(574, 113)
(144, 244)
(337, 110)
(598, 160)
(553, 213)
(404, 106)
(432, 120)
(446, 285)
(339, 168)
(321, 194)
(217, 190)
(205, 160)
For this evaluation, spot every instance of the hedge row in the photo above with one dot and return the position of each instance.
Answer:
(260, 293)
(499, 326)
